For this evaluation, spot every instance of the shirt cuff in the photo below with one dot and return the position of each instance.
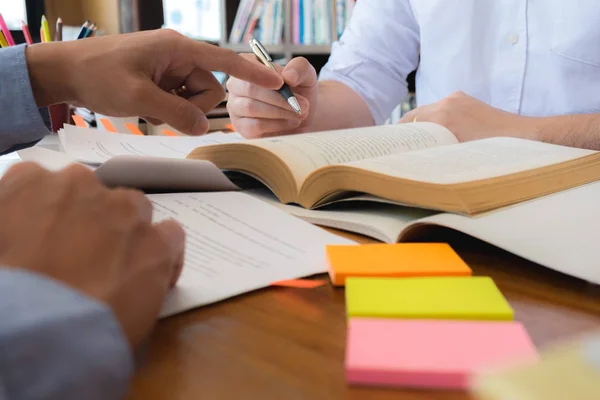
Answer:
(57, 343)
(20, 119)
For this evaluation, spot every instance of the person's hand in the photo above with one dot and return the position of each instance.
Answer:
(102, 242)
(135, 74)
(470, 119)
(257, 110)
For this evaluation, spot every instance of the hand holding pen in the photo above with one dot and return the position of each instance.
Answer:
(257, 111)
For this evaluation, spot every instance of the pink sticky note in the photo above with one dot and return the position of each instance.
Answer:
(430, 353)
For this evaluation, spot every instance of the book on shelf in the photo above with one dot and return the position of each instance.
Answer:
(313, 22)
(260, 19)
(319, 22)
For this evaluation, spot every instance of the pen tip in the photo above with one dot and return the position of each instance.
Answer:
(292, 101)
(59, 20)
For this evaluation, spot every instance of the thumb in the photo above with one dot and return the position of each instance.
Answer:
(174, 235)
(171, 109)
(299, 72)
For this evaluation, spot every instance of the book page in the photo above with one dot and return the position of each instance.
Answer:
(93, 146)
(558, 231)
(308, 152)
(379, 221)
(164, 174)
(236, 244)
(470, 161)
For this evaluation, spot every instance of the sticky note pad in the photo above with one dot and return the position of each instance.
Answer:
(394, 260)
(467, 298)
(568, 371)
(430, 353)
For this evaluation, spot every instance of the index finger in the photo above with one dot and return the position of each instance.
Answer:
(213, 58)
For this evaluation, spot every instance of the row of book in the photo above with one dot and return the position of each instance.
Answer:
(319, 22)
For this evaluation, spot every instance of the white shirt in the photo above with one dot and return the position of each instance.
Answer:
(528, 57)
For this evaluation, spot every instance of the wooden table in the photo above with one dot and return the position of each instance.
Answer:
(283, 343)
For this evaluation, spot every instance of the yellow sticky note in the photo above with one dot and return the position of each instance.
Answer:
(464, 298)
(394, 260)
(567, 371)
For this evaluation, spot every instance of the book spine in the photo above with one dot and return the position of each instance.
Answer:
(296, 21)
(340, 17)
(236, 22)
(283, 5)
(264, 22)
(308, 21)
(301, 22)
(333, 20)
(244, 11)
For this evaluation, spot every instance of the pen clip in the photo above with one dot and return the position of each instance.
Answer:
(260, 52)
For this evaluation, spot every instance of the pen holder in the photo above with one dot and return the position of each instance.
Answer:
(59, 116)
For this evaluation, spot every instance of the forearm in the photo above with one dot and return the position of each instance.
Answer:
(338, 107)
(577, 130)
(20, 119)
(57, 343)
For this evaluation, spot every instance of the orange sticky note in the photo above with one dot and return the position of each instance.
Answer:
(301, 283)
(134, 129)
(79, 121)
(108, 125)
(394, 260)
(168, 133)
(230, 127)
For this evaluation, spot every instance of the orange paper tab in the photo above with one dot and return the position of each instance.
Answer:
(108, 125)
(134, 129)
(169, 133)
(230, 127)
(301, 283)
(79, 121)
(394, 260)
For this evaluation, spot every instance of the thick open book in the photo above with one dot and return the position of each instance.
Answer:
(419, 164)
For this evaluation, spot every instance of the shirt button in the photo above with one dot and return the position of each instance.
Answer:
(513, 39)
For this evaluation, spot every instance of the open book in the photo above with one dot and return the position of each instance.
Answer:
(419, 164)
(558, 231)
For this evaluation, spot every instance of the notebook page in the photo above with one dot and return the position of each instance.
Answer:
(93, 146)
(480, 159)
(236, 244)
(309, 151)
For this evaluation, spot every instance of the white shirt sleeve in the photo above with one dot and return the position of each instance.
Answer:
(377, 51)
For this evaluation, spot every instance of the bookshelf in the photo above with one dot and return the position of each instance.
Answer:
(287, 49)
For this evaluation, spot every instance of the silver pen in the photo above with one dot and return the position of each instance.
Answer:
(264, 57)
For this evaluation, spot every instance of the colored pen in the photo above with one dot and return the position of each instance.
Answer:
(89, 31)
(94, 32)
(83, 30)
(59, 30)
(26, 33)
(42, 38)
(46, 29)
(261, 53)
(6, 31)
(3, 42)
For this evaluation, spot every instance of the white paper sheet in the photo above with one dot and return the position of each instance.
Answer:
(236, 244)
(95, 147)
